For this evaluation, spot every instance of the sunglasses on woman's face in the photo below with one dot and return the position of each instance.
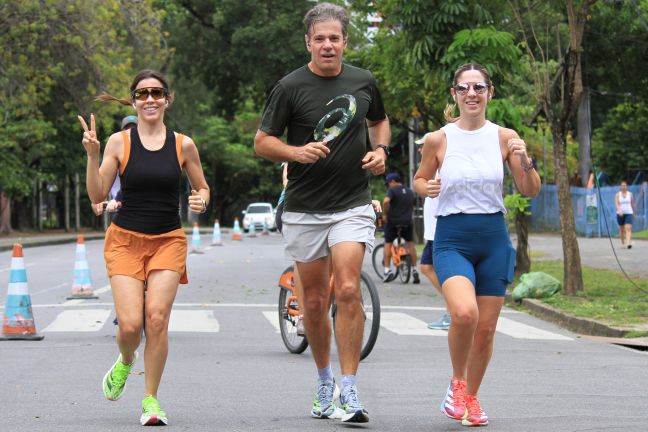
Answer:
(462, 88)
(143, 93)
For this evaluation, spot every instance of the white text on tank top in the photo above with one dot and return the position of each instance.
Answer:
(472, 171)
(625, 203)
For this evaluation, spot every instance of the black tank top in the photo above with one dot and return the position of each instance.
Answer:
(150, 186)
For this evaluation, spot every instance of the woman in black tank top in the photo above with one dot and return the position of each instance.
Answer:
(145, 247)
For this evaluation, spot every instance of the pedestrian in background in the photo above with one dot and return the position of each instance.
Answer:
(427, 259)
(473, 254)
(112, 205)
(625, 207)
(145, 246)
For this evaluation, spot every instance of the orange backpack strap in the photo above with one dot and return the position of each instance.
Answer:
(126, 154)
(179, 139)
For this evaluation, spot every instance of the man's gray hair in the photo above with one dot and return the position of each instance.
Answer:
(326, 12)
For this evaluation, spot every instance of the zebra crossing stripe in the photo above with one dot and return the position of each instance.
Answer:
(202, 321)
(519, 330)
(81, 320)
(407, 325)
(273, 318)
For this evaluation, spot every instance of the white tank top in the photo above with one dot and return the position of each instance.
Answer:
(429, 219)
(472, 171)
(625, 203)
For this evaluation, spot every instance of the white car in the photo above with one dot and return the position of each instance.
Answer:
(258, 213)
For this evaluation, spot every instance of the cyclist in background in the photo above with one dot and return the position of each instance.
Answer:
(397, 210)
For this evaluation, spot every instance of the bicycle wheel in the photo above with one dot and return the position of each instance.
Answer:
(405, 269)
(371, 310)
(371, 307)
(287, 322)
(377, 260)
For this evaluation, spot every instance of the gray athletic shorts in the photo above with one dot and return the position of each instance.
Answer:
(310, 236)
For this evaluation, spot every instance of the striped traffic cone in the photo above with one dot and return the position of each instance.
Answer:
(236, 232)
(265, 231)
(18, 322)
(82, 284)
(216, 236)
(252, 230)
(195, 240)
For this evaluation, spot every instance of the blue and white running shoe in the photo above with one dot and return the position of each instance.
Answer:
(354, 412)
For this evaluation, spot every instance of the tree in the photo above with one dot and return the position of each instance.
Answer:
(557, 75)
(620, 144)
(56, 56)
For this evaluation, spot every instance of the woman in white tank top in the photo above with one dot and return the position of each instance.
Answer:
(625, 205)
(475, 254)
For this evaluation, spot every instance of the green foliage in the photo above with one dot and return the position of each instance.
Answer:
(495, 50)
(516, 204)
(56, 56)
(236, 49)
(620, 144)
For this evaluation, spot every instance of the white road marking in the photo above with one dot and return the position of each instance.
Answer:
(80, 320)
(403, 324)
(50, 289)
(230, 305)
(523, 331)
(273, 317)
(102, 290)
(9, 268)
(193, 321)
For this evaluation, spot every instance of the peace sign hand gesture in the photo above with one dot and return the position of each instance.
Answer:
(90, 141)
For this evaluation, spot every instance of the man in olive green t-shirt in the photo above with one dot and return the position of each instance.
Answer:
(329, 109)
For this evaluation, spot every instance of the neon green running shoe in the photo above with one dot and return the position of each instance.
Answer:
(114, 381)
(152, 414)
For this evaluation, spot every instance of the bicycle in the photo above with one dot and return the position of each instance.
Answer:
(289, 310)
(400, 257)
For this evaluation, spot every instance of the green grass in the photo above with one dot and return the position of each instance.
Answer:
(640, 234)
(608, 296)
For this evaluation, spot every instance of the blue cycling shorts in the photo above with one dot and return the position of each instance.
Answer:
(478, 247)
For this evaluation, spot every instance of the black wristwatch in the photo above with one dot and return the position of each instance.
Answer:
(385, 149)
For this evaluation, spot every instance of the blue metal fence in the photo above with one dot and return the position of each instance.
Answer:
(591, 210)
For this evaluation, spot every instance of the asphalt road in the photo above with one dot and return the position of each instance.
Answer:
(229, 371)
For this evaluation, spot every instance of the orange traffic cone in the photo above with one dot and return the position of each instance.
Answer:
(82, 284)
(18, 322)
(236, 232)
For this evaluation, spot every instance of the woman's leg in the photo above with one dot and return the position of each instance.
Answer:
(628, 234)
(482, 346)
(162, 286)
(128, 296)
(459, 294)
(622, 235)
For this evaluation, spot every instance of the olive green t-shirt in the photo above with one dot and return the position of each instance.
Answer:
(301, 102)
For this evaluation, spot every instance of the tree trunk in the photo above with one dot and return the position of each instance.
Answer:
(573, 280)
(66, 203)
(5, 213)
(522, 259)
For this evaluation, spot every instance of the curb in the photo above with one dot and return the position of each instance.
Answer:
(26, 243)
(573, 323)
